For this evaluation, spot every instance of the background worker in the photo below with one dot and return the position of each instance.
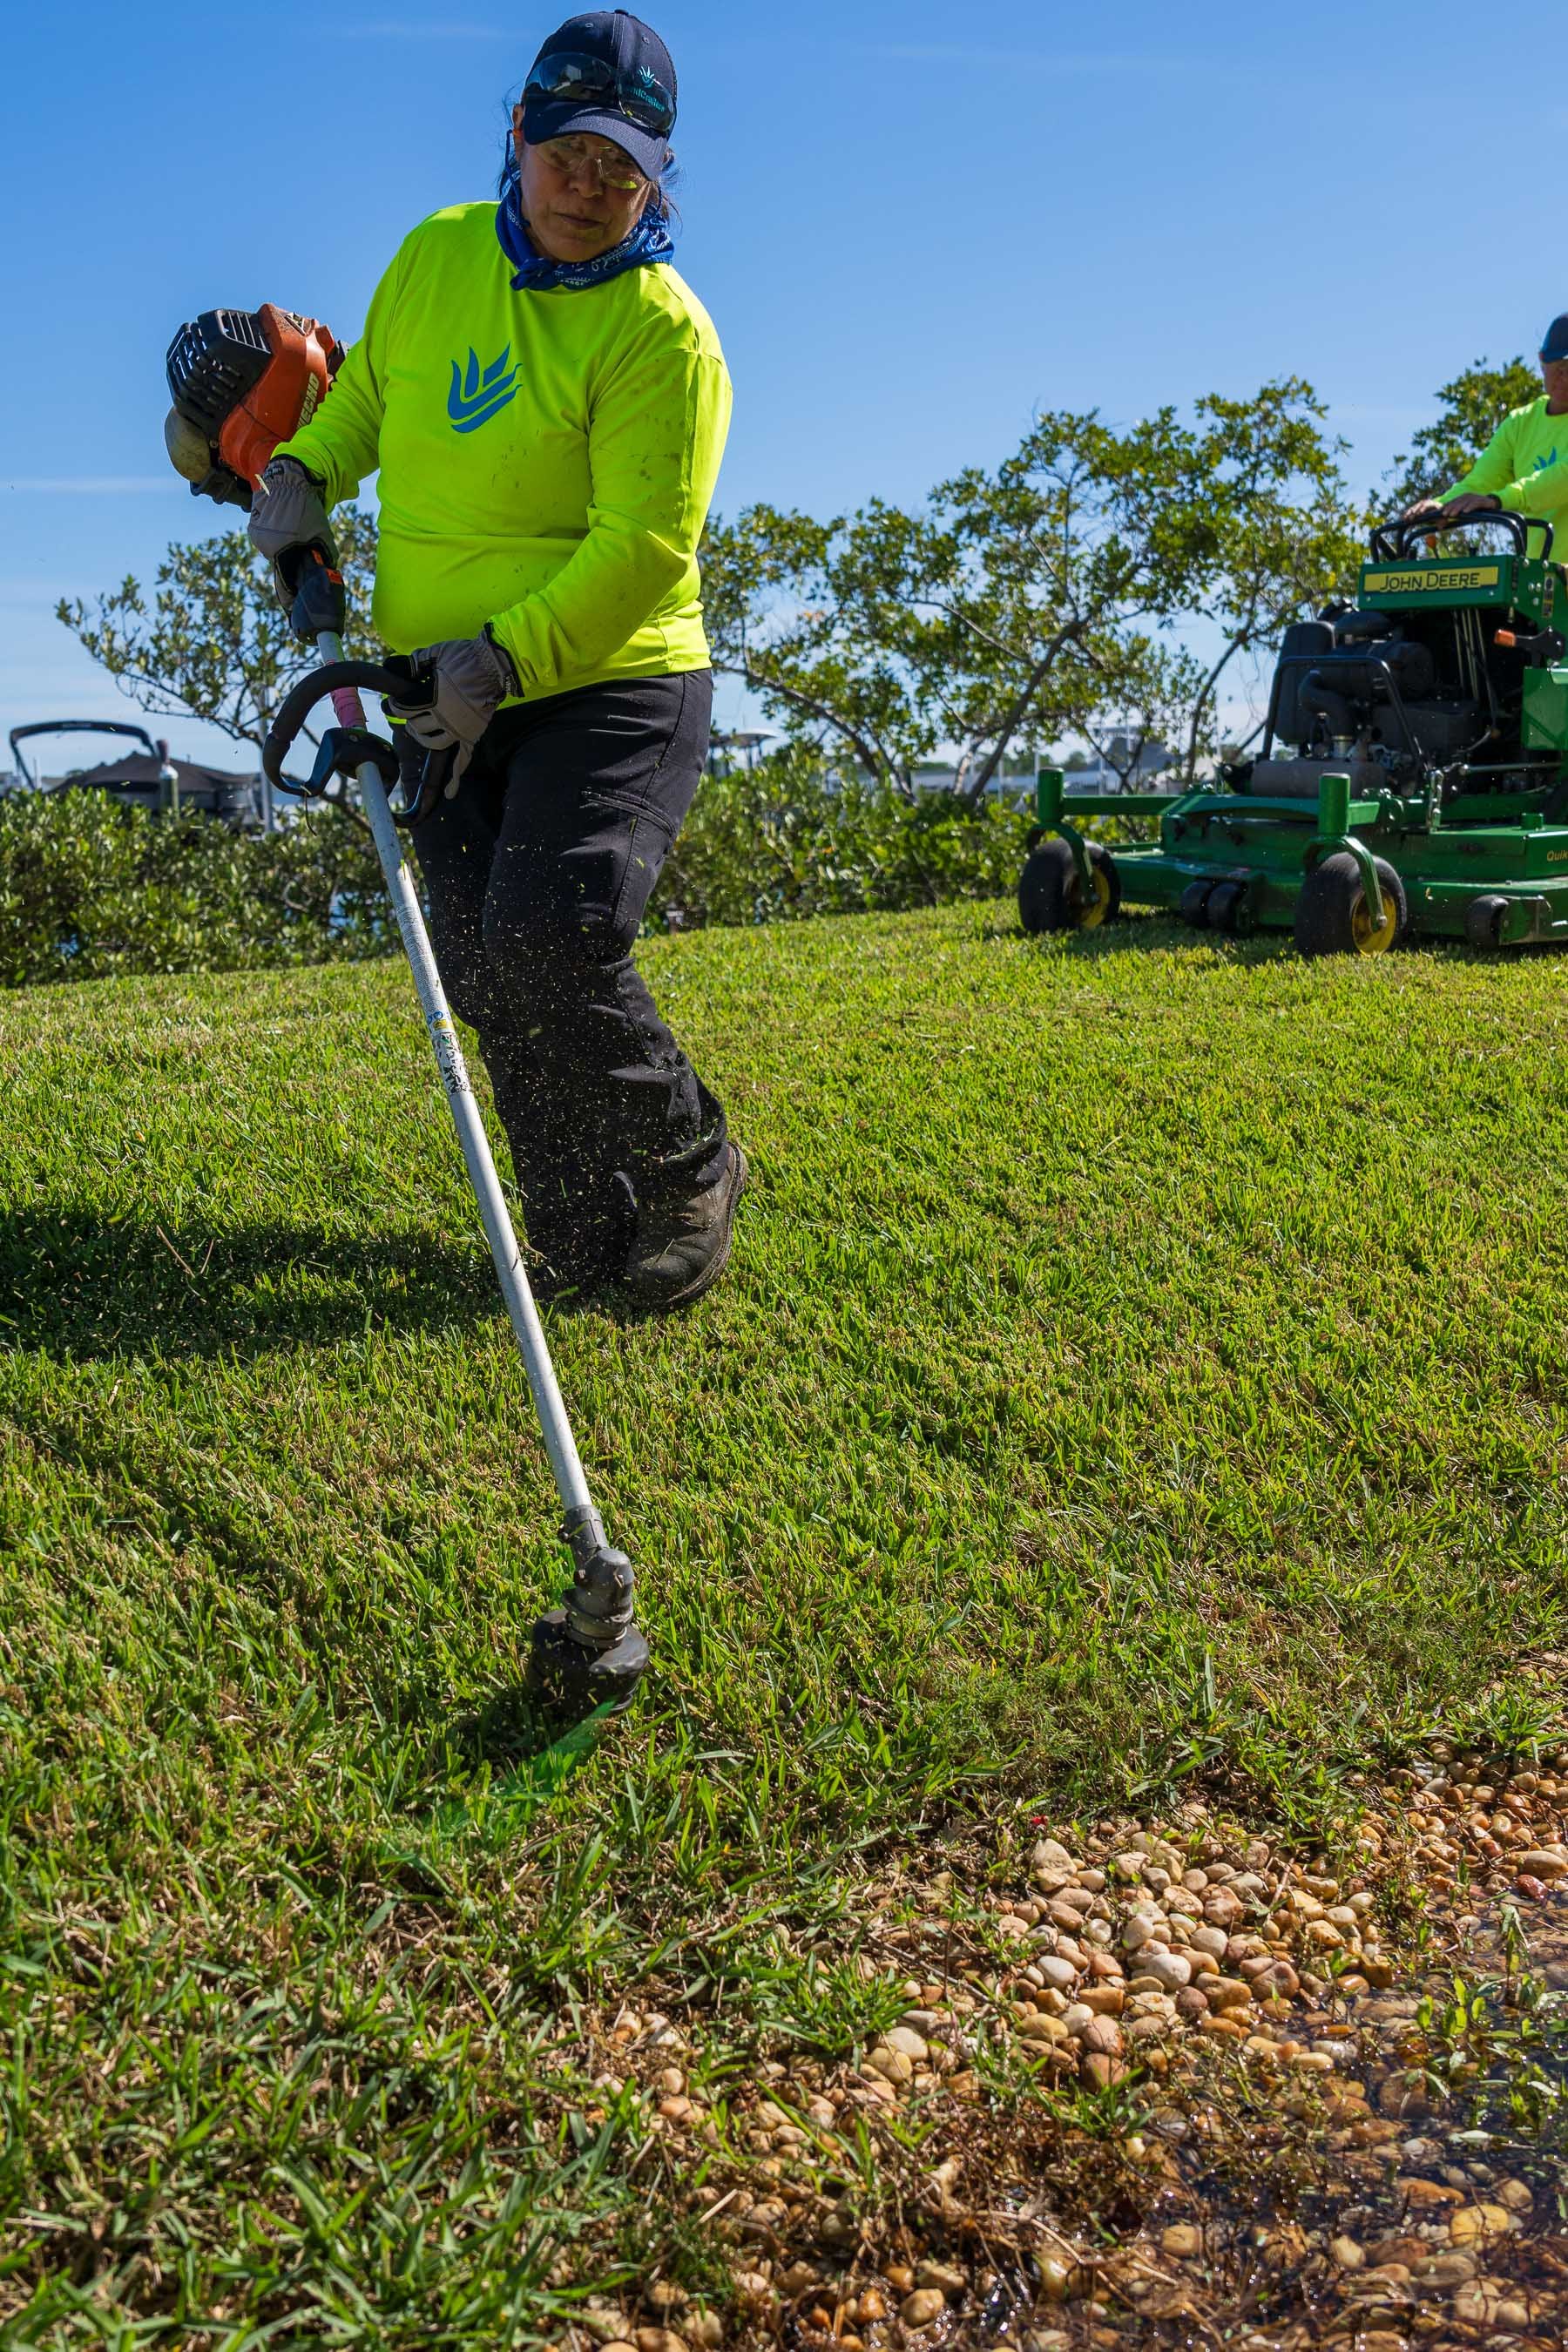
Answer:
(547, 402)
(1524, 467)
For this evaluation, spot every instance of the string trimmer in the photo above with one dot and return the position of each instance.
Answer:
(242, 382)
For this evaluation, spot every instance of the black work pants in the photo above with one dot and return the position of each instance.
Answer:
(537, 874)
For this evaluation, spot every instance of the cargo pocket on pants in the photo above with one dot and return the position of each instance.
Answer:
(647, 846)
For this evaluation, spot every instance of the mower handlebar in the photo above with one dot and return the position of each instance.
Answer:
(1392, 541)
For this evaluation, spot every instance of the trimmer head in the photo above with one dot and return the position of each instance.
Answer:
(568, 1681)
(589, 1652)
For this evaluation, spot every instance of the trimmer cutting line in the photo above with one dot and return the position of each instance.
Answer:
(241, 382)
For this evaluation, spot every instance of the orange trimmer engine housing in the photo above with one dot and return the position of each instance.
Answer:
(242, 380)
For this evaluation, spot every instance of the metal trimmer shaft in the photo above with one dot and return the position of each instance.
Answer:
(587, 1651)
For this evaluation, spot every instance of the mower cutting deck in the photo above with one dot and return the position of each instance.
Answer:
(1413, 779)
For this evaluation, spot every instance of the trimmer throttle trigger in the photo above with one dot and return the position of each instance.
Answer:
(321, 599)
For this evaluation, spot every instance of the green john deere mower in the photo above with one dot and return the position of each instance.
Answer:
(1413, 779)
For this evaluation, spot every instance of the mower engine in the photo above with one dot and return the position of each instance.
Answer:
(1389, 698)
(242, 380)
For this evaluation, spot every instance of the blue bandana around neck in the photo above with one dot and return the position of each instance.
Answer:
(537, 273)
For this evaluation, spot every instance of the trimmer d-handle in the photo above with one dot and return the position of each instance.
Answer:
(345, 748)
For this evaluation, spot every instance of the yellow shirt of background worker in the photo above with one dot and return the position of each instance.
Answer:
(1523, 469)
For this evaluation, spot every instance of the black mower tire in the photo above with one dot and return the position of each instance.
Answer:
(1224, 911)
(1050, 897)
(1332, 917)
(1484, 919)
(1194, 906)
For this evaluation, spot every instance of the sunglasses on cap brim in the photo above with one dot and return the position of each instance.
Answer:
(580, 80)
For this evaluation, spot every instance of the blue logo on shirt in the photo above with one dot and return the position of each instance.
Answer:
(1541, 465)
(476, 397)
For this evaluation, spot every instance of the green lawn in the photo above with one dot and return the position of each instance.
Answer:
(1141, 1357)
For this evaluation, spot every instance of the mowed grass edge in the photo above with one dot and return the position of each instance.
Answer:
(1142, 1358)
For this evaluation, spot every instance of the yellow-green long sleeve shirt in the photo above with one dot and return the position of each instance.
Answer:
(1524, 465)
(547, 459)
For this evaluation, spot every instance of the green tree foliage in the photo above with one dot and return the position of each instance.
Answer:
(1279, 536)
(1026, 602)
(210, 640)
(1469, 411)
(91, 887)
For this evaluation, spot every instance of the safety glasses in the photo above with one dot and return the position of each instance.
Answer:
(575, 159)
(581, 80)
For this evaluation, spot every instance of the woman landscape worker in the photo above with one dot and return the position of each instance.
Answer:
(547, 402)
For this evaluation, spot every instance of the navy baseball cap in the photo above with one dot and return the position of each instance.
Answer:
(1554, 342)
(608, 74)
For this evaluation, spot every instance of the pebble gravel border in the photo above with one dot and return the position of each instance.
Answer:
(1156, 2083)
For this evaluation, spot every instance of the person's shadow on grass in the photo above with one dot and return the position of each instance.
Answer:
(77, 1286)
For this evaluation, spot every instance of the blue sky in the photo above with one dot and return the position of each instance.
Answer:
(914, 225)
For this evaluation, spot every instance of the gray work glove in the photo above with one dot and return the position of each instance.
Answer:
(473, 677)
(288, 514)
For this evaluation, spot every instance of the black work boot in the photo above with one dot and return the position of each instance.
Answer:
(682, 1246)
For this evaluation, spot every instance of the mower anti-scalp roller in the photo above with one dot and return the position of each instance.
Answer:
(589, 1652)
